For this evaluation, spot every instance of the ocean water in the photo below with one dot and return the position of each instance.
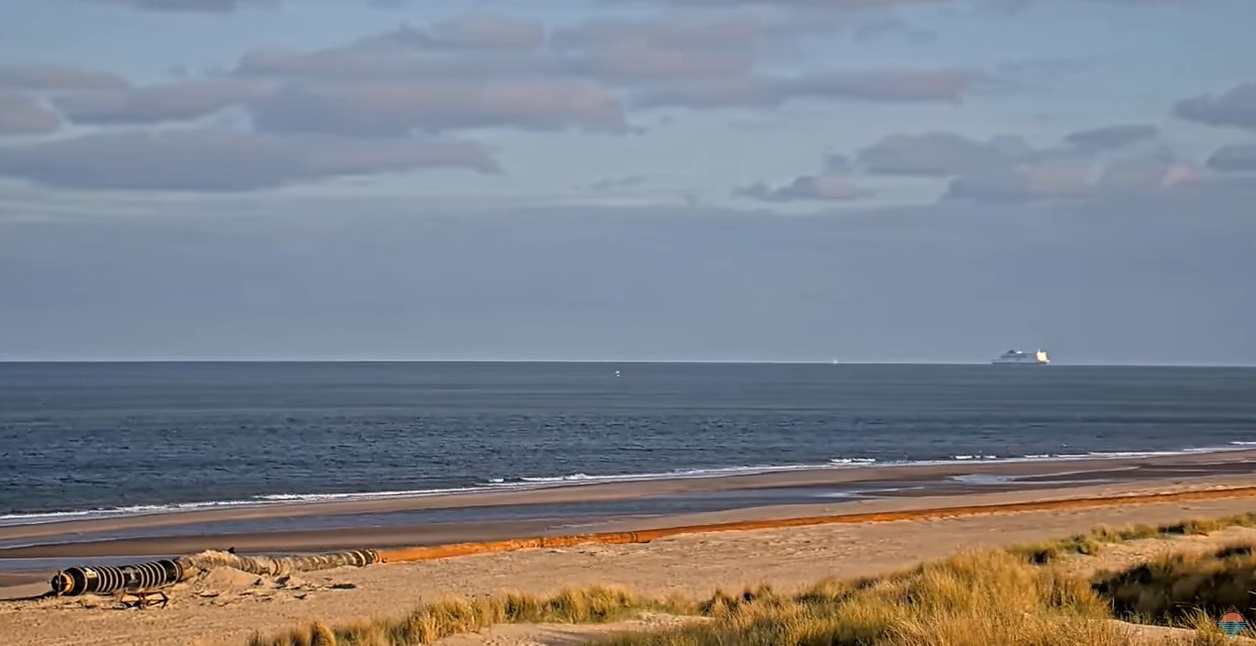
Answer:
(78, 438)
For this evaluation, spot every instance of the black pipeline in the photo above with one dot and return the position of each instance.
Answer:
(154, 575)
(139, 577)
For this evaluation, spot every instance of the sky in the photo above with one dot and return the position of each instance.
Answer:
(710, 180)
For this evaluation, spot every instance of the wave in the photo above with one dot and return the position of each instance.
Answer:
(541, 482)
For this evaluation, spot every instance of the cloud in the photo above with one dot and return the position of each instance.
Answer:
(222, 161)
(851, 5)
(1058, 178)
(1115, 136)
(23, 115)
(384, 108)
(381, 59)
(222, 6)
(810, 4)
(636, 60)
(480, 46)
(1006, 168)
(835, 188)
(485, 31)
(192, 6)
(1074, 178)
(492, 48)
(671, 32)
(938, 154)
(837, 163)
(226, 6)
(157, 103)
(878, 86)
(1146, 175)
(664, 61)
(1235, 107)
(1234, 158)
(52, 77)
(617, 183)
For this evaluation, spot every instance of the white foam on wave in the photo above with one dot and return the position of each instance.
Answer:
(362, 495)
(853, 461)
(9, 520)
(539, 482)
(584, 478)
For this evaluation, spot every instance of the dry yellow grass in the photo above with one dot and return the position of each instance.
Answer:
(458, 615)
(1014, 597)
(1175, 588)
(1092, 542)
(972, 599)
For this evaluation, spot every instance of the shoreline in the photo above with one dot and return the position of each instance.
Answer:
(731, 474)
(788, 474)
(389, 523)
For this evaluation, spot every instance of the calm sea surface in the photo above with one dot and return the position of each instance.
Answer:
(100, 436)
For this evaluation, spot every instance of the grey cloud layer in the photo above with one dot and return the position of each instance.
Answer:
(499, 47)
(482, 71)
(482, 31)
(1236, 158)
(1074, 178)
(1093, 163)
(1077, 172)
(201, 160)
(938, 154)
(1112, 136)
(23, 115)
(823, 188)
(385, 108)
(885, 86)
(1234, 107)
(52, 77)
(495, 71)
(222, 6)
(158, 103)
(183, 6)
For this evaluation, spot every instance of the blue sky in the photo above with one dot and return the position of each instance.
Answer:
(645, 128)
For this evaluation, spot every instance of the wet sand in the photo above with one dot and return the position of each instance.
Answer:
(619, 506)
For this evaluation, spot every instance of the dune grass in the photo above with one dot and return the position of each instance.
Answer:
(1010, 597)
(459, 615)
(971, 599)
(1174, 588)
(1092, 543)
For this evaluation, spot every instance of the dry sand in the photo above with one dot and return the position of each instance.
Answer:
(225, 607)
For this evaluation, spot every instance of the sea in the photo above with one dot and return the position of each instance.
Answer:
(98, 439)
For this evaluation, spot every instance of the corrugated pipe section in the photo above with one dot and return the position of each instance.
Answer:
(155, 575)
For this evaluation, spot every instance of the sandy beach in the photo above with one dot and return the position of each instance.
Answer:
(226, 607)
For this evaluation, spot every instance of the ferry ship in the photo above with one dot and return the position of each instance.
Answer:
(1038, 358)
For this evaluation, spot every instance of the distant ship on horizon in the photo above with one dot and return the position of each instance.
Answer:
(1038, 358)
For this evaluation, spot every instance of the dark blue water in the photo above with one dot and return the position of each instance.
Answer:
(93, 436)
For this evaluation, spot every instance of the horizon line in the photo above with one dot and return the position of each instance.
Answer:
(618, 361)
